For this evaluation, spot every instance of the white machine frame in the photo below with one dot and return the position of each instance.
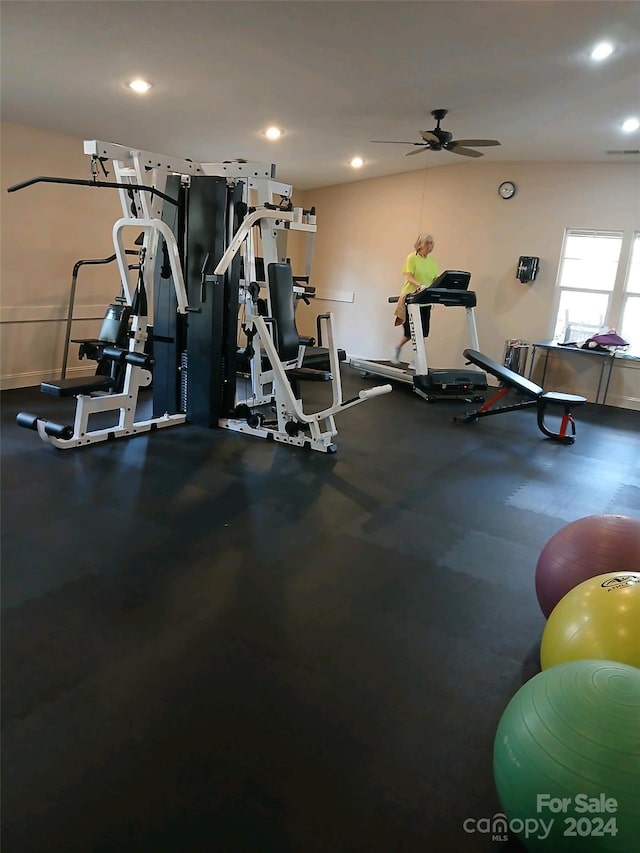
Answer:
(137, 168)
(274, 224)
(291, 416)
(143, 209)
(273, 385)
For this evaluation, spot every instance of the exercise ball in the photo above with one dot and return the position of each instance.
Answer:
(567, 751)
(583, 549)
(598, 619)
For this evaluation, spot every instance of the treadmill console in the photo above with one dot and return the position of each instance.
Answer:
(443, 296)
(452, 280)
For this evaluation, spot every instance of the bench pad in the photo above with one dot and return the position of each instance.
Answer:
(77, 385)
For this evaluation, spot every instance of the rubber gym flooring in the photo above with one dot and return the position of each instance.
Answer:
(214, 643)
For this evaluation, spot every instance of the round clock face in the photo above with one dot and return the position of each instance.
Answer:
(507, 189)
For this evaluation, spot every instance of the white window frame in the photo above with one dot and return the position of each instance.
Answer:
(617, 296)
(627, 295)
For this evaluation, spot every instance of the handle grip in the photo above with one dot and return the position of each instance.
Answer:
(374, 392)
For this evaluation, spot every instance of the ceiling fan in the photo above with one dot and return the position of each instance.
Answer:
(441, 140)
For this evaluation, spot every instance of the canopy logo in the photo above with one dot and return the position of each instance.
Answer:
(593, 819)
(499, 827)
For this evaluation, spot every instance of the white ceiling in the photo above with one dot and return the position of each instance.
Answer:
(334, 75)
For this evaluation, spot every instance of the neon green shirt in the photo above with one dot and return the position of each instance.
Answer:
(424, 270)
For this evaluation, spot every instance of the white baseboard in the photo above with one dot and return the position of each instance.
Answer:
(336, 296)
(49, 313)
(34, 378)
(624, 402)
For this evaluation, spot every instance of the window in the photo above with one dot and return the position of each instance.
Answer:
(592, 294)
(630, 325)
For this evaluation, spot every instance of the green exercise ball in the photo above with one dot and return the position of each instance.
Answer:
(567, 750)
(598, 619)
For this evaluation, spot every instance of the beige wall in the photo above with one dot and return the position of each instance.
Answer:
(366, 229)
(46, 228)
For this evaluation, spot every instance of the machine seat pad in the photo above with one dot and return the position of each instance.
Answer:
(308, 374)
(78, 385)
(563, 399)
(314, 356)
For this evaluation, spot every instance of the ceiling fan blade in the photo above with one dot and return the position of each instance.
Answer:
(467, 152)
(394, 142)
(479, 143)
(418, 150)
(428, 136)
(626, 151)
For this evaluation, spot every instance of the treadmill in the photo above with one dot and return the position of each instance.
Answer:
(451, 290)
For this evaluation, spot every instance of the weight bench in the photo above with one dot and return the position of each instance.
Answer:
(114, 332)
(93, 397)
(538, 397)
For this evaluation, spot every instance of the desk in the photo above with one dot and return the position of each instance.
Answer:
(607, 360)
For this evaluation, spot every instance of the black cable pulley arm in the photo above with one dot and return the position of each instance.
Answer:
(72, 297)
(139, 304)
(110, 259)
(43, 179)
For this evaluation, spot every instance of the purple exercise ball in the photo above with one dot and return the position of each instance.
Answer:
(595, 545)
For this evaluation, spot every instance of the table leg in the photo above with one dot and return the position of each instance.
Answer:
(602, 366)
(534, 349)
(544, 369)
(606, 387)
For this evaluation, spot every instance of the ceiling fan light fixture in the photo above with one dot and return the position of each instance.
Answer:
(439, 139)
(630, 125)
(273, 132)
(601, 51)
(356, 162)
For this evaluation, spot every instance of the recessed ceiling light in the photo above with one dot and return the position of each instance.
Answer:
(273, 133)
(630, 125)
(357, 162)
(601, 51)
(140, 86)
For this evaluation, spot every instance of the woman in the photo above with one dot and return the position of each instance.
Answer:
(419, 270)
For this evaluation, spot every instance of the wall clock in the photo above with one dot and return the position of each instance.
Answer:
(507, 189)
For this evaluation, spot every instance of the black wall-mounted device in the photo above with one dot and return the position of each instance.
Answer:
(527, 268)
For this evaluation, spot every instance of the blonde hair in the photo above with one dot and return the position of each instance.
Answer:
(424, 238)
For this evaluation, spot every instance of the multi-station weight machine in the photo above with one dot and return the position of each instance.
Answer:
(201, 226)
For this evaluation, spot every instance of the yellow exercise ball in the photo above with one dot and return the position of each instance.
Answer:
(597, 620)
